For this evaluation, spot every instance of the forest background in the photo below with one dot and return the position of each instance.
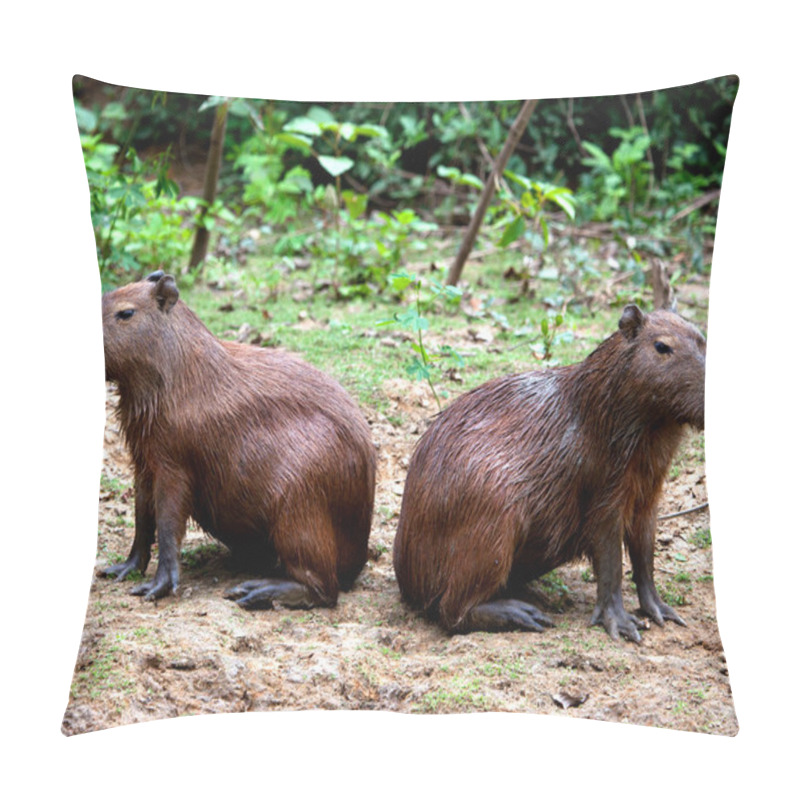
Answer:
(54, 457)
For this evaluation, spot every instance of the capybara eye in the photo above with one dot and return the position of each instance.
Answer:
(125, 313)
(662, 348)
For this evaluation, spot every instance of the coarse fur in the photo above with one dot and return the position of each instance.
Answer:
(531, 471)
(268, 454)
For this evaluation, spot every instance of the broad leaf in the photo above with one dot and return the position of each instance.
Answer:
(513, 231)
(303, 125)
(335, 165)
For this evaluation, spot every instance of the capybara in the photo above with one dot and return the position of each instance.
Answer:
(531, 471)
(266, 453)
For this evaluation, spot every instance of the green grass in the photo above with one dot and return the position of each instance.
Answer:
(458, 695)
(343, 338)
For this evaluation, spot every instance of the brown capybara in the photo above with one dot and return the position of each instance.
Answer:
(268, 455)
(528, 472)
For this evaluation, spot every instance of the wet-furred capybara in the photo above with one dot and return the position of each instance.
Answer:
(531, 471)
(265, 452)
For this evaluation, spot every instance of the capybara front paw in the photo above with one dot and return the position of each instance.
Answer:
(120, 571)
(157, 588)
(618, 622)
(658, 611)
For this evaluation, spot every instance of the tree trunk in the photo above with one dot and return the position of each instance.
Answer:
(514, 135)
(201, 235)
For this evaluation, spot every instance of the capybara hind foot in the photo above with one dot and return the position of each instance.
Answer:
(265, 593)
(617, 621)
(504, 615)
(655, 608)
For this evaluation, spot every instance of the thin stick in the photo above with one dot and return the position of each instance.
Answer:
(687, 511)
(514, 135)
(574, 130)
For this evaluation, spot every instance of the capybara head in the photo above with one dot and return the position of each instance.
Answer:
(137, 325)
(668, 364)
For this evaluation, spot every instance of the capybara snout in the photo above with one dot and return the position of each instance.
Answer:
(268, 454)
(530, 471)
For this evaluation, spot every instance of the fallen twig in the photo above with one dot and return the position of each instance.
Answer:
(686, 511)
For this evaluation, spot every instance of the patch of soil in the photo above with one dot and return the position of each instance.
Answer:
(199, 653)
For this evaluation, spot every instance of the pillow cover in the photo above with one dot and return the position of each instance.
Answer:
(331, 230)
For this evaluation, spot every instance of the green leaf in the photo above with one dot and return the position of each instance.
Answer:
(335, 165)
(545, 232)
(303, 125)
(405, 217)
(471, 180)
(371, 130)
(114, 111)
(213, 102)
(356, 203)
(566, 202)
(417, 370)
(400, 280)
(321, 115)
(513, 231)
(520, 179)
(87, 120)
(244, 108)
(411, 319)
(295, 140)
(347, 131)
(449, 173)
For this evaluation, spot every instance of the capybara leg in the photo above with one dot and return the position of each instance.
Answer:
(609, 611)
(504, 615)
(641, 547)
(268, 591)
(171, 516)
(144, 536)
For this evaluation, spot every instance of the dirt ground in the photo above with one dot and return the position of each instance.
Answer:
(199, 653)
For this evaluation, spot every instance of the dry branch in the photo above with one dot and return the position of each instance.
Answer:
(514, 135)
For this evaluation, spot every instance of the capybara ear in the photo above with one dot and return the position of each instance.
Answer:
(166, 292)
(155, 277)
(631, 321)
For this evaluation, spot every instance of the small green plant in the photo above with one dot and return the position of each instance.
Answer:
(550, 336)
(674, 594)
(459, 695)
(413, 319)
(701, 538)
(368, 250)
(617, 183)
(511, 214)
(553, 584)
(197, 556)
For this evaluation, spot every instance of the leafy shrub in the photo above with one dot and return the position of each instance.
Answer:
(138, 221)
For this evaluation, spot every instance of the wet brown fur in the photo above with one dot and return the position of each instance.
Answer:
(531, 471)
(268, 454)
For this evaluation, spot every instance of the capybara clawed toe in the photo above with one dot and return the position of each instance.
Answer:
(531, 471)
(266, 453)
